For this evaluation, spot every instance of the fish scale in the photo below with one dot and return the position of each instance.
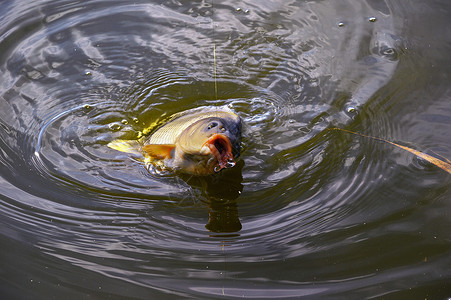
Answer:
(168, 133)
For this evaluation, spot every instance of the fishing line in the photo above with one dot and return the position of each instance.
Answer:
(214, 57)
(214, 63)
(214, 50)
(444, 164)
(217, 127)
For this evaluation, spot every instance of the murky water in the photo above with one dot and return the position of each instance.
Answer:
(305, 212)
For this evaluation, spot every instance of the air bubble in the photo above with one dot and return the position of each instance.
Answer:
(115, 126)
(88, 73)
(372, 19)
(239, 9)
(125, 122)
(389, 53)
(230, 164)
(341, 24)
(351, 109)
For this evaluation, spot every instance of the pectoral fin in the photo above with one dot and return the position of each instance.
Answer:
(159, 151)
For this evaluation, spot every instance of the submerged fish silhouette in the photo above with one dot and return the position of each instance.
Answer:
(198, 141)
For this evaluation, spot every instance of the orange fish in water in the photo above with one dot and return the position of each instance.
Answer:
(198, 141)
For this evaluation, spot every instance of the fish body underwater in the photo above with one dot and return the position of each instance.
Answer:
(198, 141)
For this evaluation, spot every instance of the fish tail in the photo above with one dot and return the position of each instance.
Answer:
(127, 146)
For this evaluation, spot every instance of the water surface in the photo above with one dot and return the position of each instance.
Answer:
(305, 212)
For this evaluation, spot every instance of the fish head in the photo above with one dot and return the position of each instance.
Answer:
(216, 139)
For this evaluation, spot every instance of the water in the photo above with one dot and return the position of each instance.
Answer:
(305, 212)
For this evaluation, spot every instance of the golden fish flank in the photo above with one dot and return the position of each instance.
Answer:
(199, 141)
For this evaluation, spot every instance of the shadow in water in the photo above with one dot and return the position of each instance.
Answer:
(221, 191)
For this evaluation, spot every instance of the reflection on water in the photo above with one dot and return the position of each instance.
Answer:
(221, 192)
(305, 212)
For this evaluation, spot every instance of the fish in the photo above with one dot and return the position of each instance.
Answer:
(199, 141)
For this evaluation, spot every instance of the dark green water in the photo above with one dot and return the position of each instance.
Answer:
(323, 214)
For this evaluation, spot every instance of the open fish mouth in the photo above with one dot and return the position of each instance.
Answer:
(221, 148)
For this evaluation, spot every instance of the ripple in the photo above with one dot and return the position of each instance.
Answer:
(340, 208)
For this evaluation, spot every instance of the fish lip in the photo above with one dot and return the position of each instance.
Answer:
(221, 148)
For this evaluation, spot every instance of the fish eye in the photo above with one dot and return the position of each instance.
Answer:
(212, 125)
